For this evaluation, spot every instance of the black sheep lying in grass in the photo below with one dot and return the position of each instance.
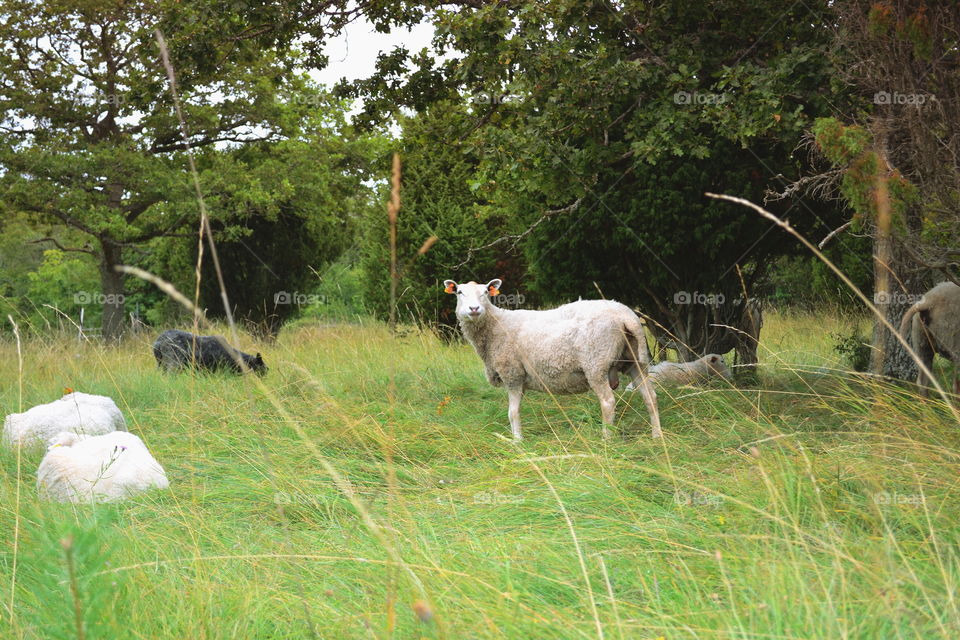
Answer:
(174, 351)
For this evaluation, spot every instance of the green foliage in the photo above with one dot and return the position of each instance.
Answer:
(640, 249)
(854, 348)
(341, 291)
(18, 257)
(850, 147)
(94, 142)
(69, 564)
(295, 208)
(914, 29)
(66, 282)
(806, 282)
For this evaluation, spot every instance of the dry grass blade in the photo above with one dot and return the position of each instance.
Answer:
(16, 521)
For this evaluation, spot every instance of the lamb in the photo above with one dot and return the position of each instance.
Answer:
(689, 372)
(578, 346)
(174, 351)
(934, 324)
(106, 468)
(75, 413)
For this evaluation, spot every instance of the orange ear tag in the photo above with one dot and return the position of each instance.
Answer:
(493, 291)
(450, 288)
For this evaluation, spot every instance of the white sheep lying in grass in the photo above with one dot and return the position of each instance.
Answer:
(709, 366)
(934, 327)
(106, 468)
(578, 346)
(75, 413)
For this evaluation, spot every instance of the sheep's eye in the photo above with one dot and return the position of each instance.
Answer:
(459, 293)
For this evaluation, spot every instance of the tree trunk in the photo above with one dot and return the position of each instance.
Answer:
(111, 282)
(697, 330)
(897, 283)
(906, 284)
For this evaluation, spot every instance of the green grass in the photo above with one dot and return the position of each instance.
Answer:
(369, 476)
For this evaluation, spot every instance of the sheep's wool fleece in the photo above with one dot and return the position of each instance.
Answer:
(75, 413)
(107, 468)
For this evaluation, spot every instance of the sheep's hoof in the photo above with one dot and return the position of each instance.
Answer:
(657, 433)
(605, 433)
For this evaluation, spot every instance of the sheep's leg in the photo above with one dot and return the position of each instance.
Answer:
(923, 346)
(923, 380)
(514, 396)
(608, 403)
(167, 361)
(650, 399)
(633, 372)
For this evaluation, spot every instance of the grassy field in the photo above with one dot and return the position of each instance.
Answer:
(365, 490)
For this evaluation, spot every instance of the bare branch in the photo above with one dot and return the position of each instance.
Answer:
(833, 233)
(822, 186)
(949, 258)
(520, 236)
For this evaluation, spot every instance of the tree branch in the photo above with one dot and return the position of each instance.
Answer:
(479, 123)
(520, 236)
(822, 186)
(56, 242)
(949, 258)
(833, 233)
(133, 211)
(161, 147)
(67, 218)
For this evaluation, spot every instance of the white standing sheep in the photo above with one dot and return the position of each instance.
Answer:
(75, 412)
(700, 370)
(934, 327)
(571, 349)
(106, 468)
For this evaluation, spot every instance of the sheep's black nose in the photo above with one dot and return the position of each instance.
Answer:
(474, 309)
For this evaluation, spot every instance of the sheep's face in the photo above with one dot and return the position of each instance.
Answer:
(473, 300)
(717, 366)
(258, 365)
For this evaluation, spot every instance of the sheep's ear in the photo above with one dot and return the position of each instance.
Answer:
(493, 287)
(449, 286)
(63, 439)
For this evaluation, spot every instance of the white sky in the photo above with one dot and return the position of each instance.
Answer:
(353, 54)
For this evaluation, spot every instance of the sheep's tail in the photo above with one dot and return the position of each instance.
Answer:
(905, 330)
(636, 361)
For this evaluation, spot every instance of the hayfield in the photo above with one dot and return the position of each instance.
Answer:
(365, 489)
